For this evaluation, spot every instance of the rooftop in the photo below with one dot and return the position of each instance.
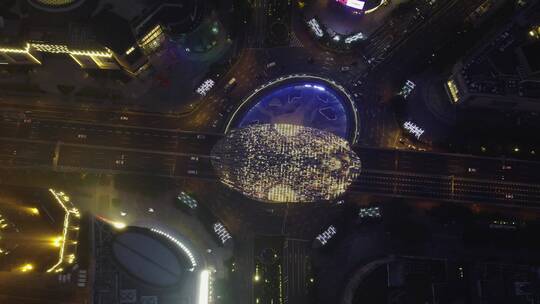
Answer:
(505, 65)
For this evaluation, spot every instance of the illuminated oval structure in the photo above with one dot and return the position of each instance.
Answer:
(300, 99)
(282, 163)
(56, 5)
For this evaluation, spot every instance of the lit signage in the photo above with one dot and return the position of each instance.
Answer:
(407, 89)
(315, 27)
(373, 212)
(453, 90)
(205, 87)
(413, 129)
(353, 3)
(188, 200)
(324, 237)
(222, 232)
(355, 37)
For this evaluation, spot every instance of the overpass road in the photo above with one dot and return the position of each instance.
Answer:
(82, 146)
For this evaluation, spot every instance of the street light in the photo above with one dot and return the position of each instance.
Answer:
(57, 241)
(119, 225)
(33, 211)
(27, 267)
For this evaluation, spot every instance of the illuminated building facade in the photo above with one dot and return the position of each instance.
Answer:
(108, 42)
(500, 74)
(165, 21)
(31, 53)
(282, 163)
(40, 238)
(67, 242)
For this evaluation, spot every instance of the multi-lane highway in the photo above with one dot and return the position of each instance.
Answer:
(73, 145)
(67, 145)
(448, 177)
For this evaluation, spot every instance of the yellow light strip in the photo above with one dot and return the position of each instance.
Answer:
(107, 54)
(68, 212)
(152, 34)
(383, 2)
(96, 61)
(130, 50)
(57, 49)
(33, 58)
(76, 60)
(454, 92)
(26, 51)
(11, 50)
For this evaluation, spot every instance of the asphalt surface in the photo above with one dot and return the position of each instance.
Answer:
(449, 177)
(72, 145)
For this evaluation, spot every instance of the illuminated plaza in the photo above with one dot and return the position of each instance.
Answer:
(284, 163)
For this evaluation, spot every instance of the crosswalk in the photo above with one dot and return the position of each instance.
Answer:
(81, 280)
(294, 41)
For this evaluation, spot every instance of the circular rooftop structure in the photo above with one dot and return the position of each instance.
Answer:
(284, 163)
(344, 24)
(305, 100)
(150, 258)
(56, 5)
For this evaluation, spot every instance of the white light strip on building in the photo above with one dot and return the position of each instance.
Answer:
(326, 235)
(355, 4)
(355, 37)
(222, 232)
(205, 87)
(315, 27)
(413, 129)
(179, 244)
(204, 287)
(407, 89)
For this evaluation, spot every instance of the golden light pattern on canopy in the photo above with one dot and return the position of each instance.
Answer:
(284, 163)
(55, 2)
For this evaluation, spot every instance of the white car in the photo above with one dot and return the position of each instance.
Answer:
(81, 136)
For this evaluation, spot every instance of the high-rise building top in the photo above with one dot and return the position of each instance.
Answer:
(504, 72)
